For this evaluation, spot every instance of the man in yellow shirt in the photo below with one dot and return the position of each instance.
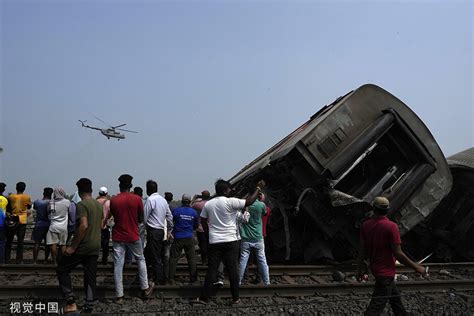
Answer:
(18, 209)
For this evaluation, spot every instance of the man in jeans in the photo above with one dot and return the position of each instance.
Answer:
(221, 214)
(185, 220)
(252, 239)
(380, 243)
(83, 250)
(127, 210)
(157, 217)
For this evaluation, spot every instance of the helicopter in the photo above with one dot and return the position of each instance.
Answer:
(111, 131)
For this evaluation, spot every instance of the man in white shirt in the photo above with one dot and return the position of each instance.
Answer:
(58, 216)
(157, 217)
(222, 215)
(104, 200)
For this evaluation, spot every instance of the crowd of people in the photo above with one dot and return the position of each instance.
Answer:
(152, 231)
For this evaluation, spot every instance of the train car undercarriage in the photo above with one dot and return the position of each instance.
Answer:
(322, 177)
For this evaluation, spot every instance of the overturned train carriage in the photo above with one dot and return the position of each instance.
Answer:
(322, 177)
(448, 232)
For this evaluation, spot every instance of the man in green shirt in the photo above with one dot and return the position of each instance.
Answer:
(84, 248)
(252, 238)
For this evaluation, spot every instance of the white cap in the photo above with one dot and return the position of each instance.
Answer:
(103, 190)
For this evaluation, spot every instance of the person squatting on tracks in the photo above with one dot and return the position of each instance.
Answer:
(222, 214)
(83, 250)
(380, 243)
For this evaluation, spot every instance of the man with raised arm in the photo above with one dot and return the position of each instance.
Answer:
(222, 216)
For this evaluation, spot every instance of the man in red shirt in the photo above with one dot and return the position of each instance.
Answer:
(127, 210)
(380, 243)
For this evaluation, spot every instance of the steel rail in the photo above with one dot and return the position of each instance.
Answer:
(275, 270)
(10, 291)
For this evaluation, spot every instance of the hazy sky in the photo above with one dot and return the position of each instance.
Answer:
(211, 85)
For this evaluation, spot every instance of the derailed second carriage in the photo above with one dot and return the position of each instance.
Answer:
(322, 177)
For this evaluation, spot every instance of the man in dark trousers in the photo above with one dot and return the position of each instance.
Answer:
(380, 243)
(158, 219)
(41, 224)
(222, 214)
(202, 232)
(83, 250)
(18, 210)
(185, 221)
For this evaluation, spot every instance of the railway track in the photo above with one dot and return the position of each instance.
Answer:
(275, 270)
(26, 281)
(10, 291)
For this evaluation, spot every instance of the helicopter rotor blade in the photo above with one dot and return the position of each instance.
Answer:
(103, 121)
(126, 130)
(118, 126)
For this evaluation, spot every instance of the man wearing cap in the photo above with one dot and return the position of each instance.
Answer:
(202, 232)
(185, 221)
(380, 243)
(158, 217)
(127, 210)
(103, 200)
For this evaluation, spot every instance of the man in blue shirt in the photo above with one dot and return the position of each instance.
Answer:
(41, 224)
(185, 221)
